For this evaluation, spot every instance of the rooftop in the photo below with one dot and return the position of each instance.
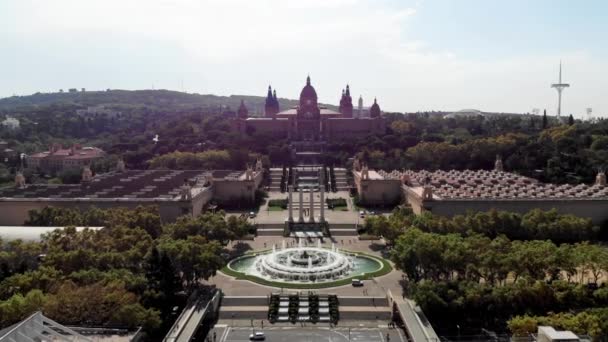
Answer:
(484, 184)
(30, 233)
(294, 111)
(131, 184)
(71, 153)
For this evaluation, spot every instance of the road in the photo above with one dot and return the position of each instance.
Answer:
(295, 334)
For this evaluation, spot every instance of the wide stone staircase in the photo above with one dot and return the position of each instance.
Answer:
(341, 182)
(275, 179)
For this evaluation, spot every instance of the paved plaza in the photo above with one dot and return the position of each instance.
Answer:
(350, 216)
(315, 334)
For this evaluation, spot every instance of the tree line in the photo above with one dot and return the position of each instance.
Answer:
(130, 273)
(500, 270)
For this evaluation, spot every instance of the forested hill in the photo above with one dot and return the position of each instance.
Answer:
(159, 99)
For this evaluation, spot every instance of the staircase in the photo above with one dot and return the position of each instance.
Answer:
(275, 179)
(341, 183)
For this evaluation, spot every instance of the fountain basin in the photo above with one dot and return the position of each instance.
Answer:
(306, 265)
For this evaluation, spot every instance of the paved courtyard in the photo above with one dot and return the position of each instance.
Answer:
(350, 216)
(315, 334)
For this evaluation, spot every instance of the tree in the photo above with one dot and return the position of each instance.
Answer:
(545, 120)
(570, 120)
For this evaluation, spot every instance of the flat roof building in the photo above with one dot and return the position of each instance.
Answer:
(455, 192)
(175, 192)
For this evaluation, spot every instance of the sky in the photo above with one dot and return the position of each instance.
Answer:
(418, 55)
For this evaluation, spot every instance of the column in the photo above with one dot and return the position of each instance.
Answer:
(290, 203)
(301, 218)
(312, 209)
(322, 209)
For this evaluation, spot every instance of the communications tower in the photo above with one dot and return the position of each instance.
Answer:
(559, 86)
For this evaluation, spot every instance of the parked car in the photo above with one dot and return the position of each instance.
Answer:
(258, 336)
(362, 214)
(252, 214)
(357, 282)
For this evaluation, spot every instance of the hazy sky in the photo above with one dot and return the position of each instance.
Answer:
(411, 55)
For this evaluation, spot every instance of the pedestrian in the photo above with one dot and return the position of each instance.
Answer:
(214, 336)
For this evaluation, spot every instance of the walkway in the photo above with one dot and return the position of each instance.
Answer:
(188, 322)
(417, 326)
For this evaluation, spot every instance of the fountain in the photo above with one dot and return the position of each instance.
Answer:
(304, 264)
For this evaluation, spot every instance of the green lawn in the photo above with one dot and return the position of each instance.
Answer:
(342, 208)
(275, 209)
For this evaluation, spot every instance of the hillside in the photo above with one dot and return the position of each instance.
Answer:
(159, 99)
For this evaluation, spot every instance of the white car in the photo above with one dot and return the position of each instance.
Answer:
(362, 214)
(357, 282)
(252, 214)
(258, 336)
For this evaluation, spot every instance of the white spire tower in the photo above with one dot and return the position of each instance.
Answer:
(360, 111)
(559, 86)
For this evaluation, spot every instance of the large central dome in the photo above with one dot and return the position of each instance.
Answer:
(308, 96)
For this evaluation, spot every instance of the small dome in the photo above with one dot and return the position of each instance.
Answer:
(374, 110)
(308, 95)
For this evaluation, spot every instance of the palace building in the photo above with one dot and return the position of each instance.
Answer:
(310, 121)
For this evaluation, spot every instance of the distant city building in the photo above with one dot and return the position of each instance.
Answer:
(11, 123)
(6, 152)
(175, 192)
(58, 158)
(97, 110)
(465, 113)
(310, 121)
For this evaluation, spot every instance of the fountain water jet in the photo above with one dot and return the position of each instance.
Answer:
(304, 264)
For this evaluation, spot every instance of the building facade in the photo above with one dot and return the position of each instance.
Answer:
(450, 193)
(310, 121)
(174, 192)
(58, 158)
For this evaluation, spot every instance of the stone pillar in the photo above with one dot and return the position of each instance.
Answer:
(290, 204)
(301, 218)
(322, 208)
(312, 209)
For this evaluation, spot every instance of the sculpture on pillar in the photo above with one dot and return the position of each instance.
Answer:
(427, 192)
(357, 164)
(301, 217)
(120, 165)
(365, 172)
(258, 165)
(290, 204)
(311, 215)
(185, 191)
(498, 166)
(249, 173)
(600, 179)
(87, 174)
(322, 207)
(19, 180)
